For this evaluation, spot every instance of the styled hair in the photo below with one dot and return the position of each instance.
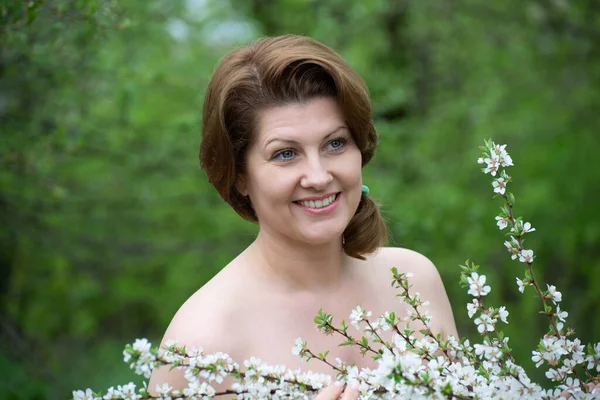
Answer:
(272, 72)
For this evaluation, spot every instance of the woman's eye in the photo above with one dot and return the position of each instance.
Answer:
(337, 144)
(284, 155)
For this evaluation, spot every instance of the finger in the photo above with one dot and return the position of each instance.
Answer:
(331, 392)
(351, 392)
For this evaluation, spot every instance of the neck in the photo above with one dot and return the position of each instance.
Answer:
(297, 266)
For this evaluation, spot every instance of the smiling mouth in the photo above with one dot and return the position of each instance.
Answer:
(316, 204)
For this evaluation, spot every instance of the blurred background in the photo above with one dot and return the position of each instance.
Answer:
(107, 224)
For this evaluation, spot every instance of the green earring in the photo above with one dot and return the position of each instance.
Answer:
(365, 190)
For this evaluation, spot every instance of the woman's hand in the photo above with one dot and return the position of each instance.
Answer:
(333, 391)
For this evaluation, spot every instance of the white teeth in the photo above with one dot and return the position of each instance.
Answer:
(318, 203)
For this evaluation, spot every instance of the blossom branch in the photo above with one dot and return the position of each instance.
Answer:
(529, 262)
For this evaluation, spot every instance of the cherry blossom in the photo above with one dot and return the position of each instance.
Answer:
(477, 286)
(521, 285)
(484, 323)
(499, 185)
(164, 390)
(513, 247)
(502, 314)
(492, 164)
(84, 395)
(299, 346)
(504, 159)
(526, 256)
(358, 315)
(593, 360)
(527, 228)
(554, 294)
(562, 315)
(502, 221)
(472, 307)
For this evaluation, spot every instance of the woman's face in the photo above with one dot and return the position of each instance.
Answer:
(303, 172)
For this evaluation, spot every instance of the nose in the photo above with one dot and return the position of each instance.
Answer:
(316, 174)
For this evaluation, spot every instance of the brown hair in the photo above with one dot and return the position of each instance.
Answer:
(275, 71)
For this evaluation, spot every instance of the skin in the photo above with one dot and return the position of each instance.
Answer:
(268, 296)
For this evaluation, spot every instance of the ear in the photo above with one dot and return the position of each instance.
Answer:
(240, 186)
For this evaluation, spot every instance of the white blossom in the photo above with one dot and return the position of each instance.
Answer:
(358, 315)
(499, 185)
(81, 395)
(484, 323)
(128, 391)
(526, 256)
(521, 285)
(477, 286)
(572, 385)
(472, 307)
(298, 346)
(492, 164)
(506, 160)
(527, 228)
(503, 158)
(593, 360)
(199, 390)
(488, 352)
(502, 222)
(164, 391)
(562, 315)
(553, 374)
(513, 247)
(556, 295)
(537, 358)
(382, 322)
(502, 314)
(141, 345)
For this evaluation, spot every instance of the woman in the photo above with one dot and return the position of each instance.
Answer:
(287, 128)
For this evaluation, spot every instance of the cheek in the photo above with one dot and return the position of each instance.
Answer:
(354, 177)
(271, 186)
(354, 166)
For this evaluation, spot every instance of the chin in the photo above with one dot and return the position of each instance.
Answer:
(323, 237)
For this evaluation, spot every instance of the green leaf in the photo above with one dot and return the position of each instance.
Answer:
(323, 355)
(364, 341)
(511, 198)
(31, 16)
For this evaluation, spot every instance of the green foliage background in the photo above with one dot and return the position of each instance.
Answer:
(107, 224)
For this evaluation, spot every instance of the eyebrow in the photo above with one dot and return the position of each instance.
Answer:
(336, 130)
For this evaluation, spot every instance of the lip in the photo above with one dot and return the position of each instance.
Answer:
(315, 198)
(324, 210)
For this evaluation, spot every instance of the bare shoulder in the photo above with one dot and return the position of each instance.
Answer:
(205, 320)
(426, 281)
(404, 260)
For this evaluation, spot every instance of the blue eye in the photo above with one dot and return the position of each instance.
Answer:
(284, 155)
(337, 144)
